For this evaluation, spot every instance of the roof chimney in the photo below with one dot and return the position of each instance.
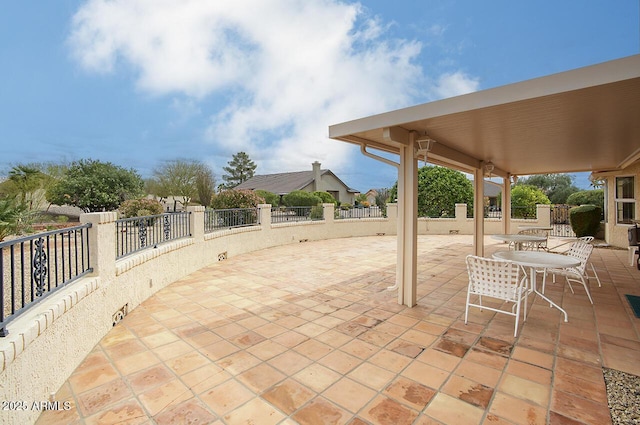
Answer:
(317, 176)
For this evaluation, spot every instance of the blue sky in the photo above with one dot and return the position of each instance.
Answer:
(138, 82)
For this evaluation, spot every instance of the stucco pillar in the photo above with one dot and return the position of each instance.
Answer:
(461, 213)
(102, 243)
(543, 214)
(478, 211)
(264, 213)
(196, 222)
(328, 211)
(407, 225)
(506, 205)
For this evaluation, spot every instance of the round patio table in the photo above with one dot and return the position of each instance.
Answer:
(518, 239)
(539, 260)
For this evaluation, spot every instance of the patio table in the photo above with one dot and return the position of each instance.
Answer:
(518, 239)
(539, 260)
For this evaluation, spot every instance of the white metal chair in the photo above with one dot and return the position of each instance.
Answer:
(585, 239)
(530, 246)
(581, 251)
(499, 279)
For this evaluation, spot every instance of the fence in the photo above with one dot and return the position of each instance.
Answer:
(369, 212)
(137, 233)
(287, 214)
(35, 266)
(230, 218)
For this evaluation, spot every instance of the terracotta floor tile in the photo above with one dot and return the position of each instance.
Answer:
(321, 411)
(84, 380)
(317, 377)
(340, 361)
(136, 362)
(410, 393)
(487, 358)
(439, 359)
(255, 411)
(525, 389)
(288, 396)
(313, 349)
(204, 378)
(385, 411)
(99, 398)
(290, 362)
(226, 397)
(190, 412)
(261, 377)
(360, 349)
(165, 396)
(149, 378)
(219, 350)
(160, 338)
(533, 357)
(581, 409)
(516, 410)
(425, 374)
(479, 373)
(376, 338)
(128, 412)
(450, 410)
(583, 370)
(528, 371)
(172, 350)
(125, 349)
(372, 376)
(389, 360)
(186, 363)
(469, 391)
(349, 394)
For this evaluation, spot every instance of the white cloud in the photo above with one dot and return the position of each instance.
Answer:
(455, 84)
(286, 69)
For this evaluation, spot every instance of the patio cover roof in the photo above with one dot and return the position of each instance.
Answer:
(586, 119)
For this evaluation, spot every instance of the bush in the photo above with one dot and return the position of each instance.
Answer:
(326, 198)
(345, 206)
(301, 198)
(585, 220)
(316, 213)
(140, 208)
(269, 197)
(587, 197)
(236, 199)
(524, 199)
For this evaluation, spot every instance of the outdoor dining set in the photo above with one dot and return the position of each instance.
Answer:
(511, 275)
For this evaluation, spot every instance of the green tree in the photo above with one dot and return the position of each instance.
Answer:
(241, 168)
(524, 199)
(228, 199)
(382, 197)
(587, 197)
(557, 187)
(439, 190)
(269, 197)
(12, 217)
(95, 186)
(187, 179)
(301, 198)
(27, 179)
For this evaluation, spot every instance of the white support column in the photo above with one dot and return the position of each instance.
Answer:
(506, 205)
(478, 211)
(408, 224)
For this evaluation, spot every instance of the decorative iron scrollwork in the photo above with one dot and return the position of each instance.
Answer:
(166, 223)
(142, 232)
(39, 266)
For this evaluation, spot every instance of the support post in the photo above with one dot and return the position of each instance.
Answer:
(506, 205)
(407, 264)
(478, 211)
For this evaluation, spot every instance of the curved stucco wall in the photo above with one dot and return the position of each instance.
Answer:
(46, 345)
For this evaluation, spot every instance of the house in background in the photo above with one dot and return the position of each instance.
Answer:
(314, 180)
(622, 209)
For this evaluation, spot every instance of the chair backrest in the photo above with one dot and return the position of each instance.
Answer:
(586, 239)
(581, 251)
(495, 278)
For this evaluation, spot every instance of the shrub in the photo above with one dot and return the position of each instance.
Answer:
(140, 207)
(301, 198)
(585, 220)
(236, 199)
(269, 197)
(317, 213)
(345, 206)
(587, 197)
(326, 198)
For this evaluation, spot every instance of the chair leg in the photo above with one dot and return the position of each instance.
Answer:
(586, 288)
(595, 274)
(466, 310)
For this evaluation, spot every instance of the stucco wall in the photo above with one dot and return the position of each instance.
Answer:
(48, 343)
(617, 234)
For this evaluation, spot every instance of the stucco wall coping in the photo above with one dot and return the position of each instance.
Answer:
(129, 262)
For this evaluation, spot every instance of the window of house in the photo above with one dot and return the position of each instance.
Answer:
(625, 200)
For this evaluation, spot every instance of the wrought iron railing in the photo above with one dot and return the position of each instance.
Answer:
(230, 218)
(287, 214)
(35, 266)
(367, 212)
(492, 212)
(138, 233)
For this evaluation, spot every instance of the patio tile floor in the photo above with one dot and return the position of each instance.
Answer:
(308, 334)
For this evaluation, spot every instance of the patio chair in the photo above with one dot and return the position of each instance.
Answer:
(498, 279)
(585, 239)
(581, 251)
(530, 246)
